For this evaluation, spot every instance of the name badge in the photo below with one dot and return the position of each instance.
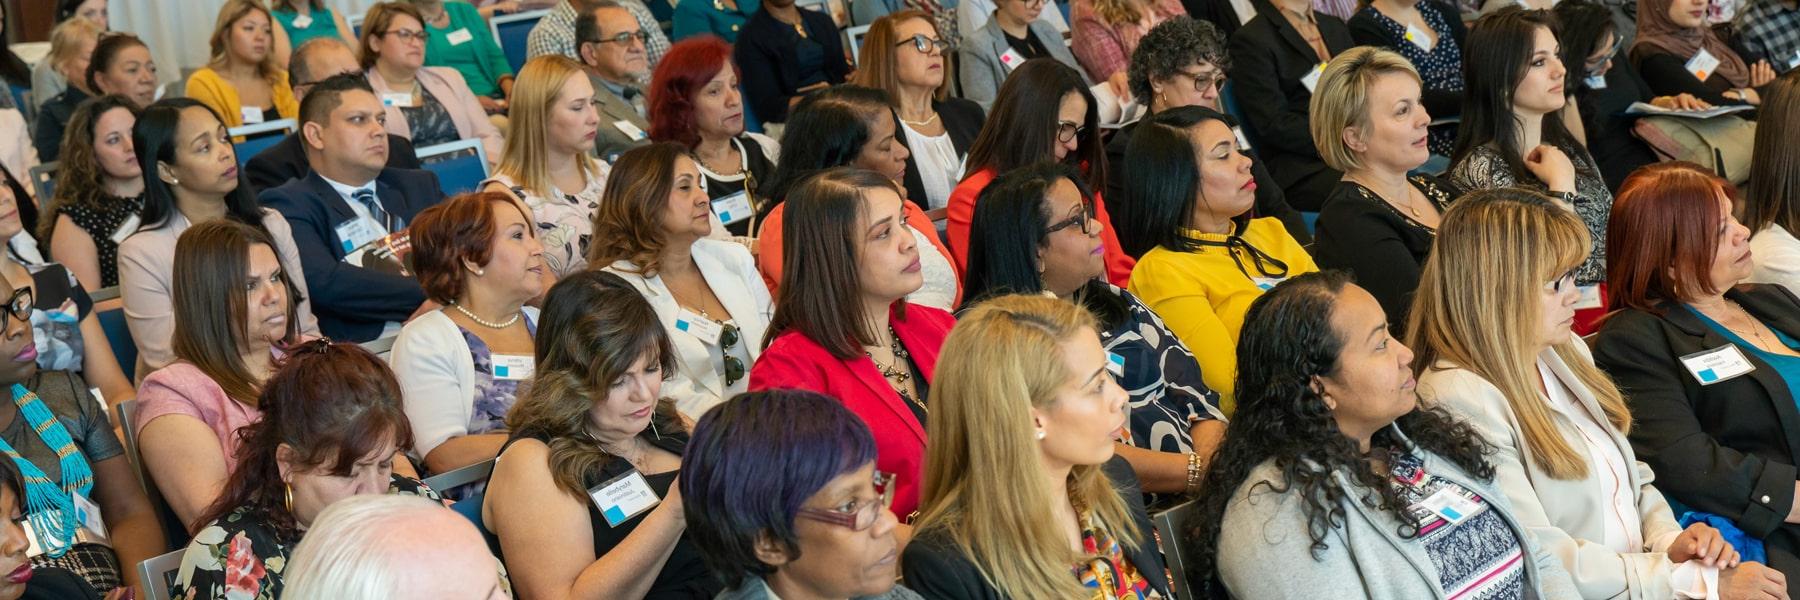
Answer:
(1701, 66)
(1451, 506)
(1590, 297)
(400, 100)
(1243, 140)
(1115, 364)
(87, 516)
(1595, 82)
(733, 208)
(357, 232)
(624, 497)
(1011, 59)
(631, 131)
(1267, 283)
(130, 226)
(1718, 364)
(706, 329)
(1418, 37)
(302, 21)
(1311, 80)
(459, 37)
(513, 367)
(251, 115)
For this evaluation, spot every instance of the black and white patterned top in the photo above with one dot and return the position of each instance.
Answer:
(1485, 169)
(1440, 69)
(1478, 557)
(430, 121)
(102, 223)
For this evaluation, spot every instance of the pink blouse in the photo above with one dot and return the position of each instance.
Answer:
(182, 389)
(1105, 48)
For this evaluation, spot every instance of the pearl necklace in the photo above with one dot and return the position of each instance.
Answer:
(483, 322)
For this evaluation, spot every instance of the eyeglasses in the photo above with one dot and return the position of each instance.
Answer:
(1067, 130)
(625, 38)
(406, 35)
(924, 44)
(734, 368)
(1203, 80)
(1083, 219)
(1561, 284)
(19, 306)
(858, 517)
(1033, 3)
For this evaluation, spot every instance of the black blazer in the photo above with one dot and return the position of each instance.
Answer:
(962, 120)
(1271, 201)
(765, 54)
(52, 120)
(351, 302)
(286, 161)
(1218, 12)
(932, 565)
(1729, 448)
(1274, 102)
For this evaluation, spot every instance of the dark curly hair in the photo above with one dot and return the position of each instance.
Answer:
(1170, 47)
(1287, 342)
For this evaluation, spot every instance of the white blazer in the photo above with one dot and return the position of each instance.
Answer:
(436, 371)
(728, 268)
(1566, 516)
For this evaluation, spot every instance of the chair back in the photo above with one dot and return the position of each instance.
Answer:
(460, 166)
(158, 574)
(43, 181)
(461, 477)
(259, 137)
(853, 38)
(355, 22)
(511, 31)
(118, 332)
(1169, 535)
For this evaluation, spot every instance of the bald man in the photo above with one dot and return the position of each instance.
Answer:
(392, 547)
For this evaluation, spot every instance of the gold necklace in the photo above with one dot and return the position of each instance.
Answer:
(1755, 330)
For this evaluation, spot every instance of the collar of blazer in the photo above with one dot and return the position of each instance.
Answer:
(870, 376)
(694, 357)
(334, 203)
(1267, 10)
(1044, 33)
(615, 108)
(1776, 307)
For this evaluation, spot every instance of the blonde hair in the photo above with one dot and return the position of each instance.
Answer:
(229, 15)
(1342, 100)
(983, 487)
(1117, 12)
(65, 42)
(526, 158)
(880, 55)
(1477, 307)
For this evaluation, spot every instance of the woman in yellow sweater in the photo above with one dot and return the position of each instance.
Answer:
(1203, 258)
(242, 82)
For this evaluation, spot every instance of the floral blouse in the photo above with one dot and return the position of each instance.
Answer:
(565, 221)
(241, 557)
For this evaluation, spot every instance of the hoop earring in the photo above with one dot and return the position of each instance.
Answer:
(290, 497)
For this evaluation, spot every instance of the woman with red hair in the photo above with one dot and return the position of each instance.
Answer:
(1711, 365)
(695, 101)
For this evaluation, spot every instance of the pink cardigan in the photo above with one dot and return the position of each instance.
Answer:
(449, 88)
(1103, 48)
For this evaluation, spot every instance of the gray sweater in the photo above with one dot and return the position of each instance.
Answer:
(1265, 551)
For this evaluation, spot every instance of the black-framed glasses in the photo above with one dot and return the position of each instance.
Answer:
(924, 44)
(19, 306)
(1594, 63)
(1204, 80)
(734, 368)
(407, 35)
(860, 516)
(1561, 284)
(1067, 130)
(1083, 219)
(624, 38)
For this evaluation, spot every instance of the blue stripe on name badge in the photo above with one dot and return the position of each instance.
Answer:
(614, 516)
(501, 371)
(681, 324)
(1708, 376)
(1115, 364)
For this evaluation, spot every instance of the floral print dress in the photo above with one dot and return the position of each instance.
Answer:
(565, 222)
(242, 556)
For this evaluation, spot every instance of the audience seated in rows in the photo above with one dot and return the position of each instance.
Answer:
(380, 546)
(694, 101)
(906, 56)
(332, 427)
(595, 416)
(99, 198)
(1768, 203)
(1603, 88)
(652, 231)
(1283, 48)
(849, 266)
(458, 38)
(242, 81)
(1431, 36)
(611, 49)
(988, 54)
(350, 214)
(555, 33)
(191, 177)
(427, 105)
(1679, 53)
(314, 62)
(72, 46)
(461, 367)
(1204, 258)
(789, 51)
(558, 121)
(851, 125)
(1035, 233)
(1369, 121)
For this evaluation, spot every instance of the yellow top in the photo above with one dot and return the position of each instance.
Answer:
(212, 90)
(1203, 295)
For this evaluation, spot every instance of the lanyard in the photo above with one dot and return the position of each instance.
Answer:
(50, 508)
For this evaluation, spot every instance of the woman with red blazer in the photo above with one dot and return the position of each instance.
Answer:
(842, 326)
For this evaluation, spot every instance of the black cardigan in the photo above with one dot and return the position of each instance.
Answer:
(1667, 75)
(1678, 424)
(1270, 200)
(765, 55)
(932, 565)
(962, 120)
(1609, 137)
(1274, 102)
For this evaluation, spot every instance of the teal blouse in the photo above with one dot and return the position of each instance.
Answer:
(1788, 367)
(478, 58)
(699, 17)
(324, 24)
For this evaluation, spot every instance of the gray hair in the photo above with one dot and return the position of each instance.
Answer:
(358, 547)
(1170, 47)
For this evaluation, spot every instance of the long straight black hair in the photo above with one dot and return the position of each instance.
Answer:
(1021, 129)
(11, 66)
(1009, 226)
(827, 129)
(1580, 25)
(154, 139)
(1165, 182)
(1494, 61)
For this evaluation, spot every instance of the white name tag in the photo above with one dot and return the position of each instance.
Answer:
(459, 37)
(624, 497)
(1718, 364)
(1011, 59)
(1115, 364)
(87, 516)
(251, 115)
(701, 327)
(1451, 506)
(513, 367)
(402, 100)
(1590, 297)
(1418, 37)
(733, 208)
(1595, 82)
(1701, 66)
(130, 226)
(1267, 283)
(302, 21)
(357, 232)
(1311, 80)
(631, 131)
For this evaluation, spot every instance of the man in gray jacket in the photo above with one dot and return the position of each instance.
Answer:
(612, 47)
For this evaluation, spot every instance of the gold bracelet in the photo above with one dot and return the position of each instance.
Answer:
(1193, 473)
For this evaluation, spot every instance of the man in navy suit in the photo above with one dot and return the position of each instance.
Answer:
(312, 62)
(347, 211)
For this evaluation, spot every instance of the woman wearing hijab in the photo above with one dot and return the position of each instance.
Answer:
(1677, 53)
